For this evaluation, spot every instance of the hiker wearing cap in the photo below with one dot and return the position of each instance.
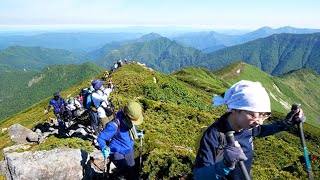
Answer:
(248, 105)
(58, 104)
(101, 102)
(117, 139)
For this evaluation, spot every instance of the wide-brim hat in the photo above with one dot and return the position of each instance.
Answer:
(97, 84)
(133, 110)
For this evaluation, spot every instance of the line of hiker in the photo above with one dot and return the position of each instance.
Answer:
(118, 64)
(115, 131)
(65, 110)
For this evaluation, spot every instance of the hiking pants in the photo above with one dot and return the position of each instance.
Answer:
(95, 123)
(124, 164)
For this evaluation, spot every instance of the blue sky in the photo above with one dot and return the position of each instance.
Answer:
(223, 14)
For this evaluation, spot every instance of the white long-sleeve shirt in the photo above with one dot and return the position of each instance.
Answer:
(100, 100)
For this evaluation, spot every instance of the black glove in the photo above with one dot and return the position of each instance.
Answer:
(232, 155)
(295, 116)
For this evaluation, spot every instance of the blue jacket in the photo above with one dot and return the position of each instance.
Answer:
(119, 133)
(58, 105)
(209, 164)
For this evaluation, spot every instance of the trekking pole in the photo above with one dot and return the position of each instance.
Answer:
(140, 153)
(231, 141)
(304, 147)
(105, 175)
(305, 152)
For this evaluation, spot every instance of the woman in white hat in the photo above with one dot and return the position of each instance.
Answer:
(248, 105)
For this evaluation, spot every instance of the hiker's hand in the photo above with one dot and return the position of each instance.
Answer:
(140, 134)
(105, 151)
(295, 116)
(232, 154)
(45, 111)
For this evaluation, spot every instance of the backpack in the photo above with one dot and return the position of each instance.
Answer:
(110, 108)
(86, 95)
(220, 148)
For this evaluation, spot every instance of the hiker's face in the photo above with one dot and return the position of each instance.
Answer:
(249, 119)
(56, 97)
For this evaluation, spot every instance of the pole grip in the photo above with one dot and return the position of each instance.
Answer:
(231, 141)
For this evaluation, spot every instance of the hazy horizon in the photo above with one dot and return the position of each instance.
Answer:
(200, 14)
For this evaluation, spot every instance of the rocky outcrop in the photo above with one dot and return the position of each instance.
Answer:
(61, 163)
(19, 133)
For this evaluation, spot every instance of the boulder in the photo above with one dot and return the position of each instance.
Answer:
(19, 133)
(33, 137)
(60, 163)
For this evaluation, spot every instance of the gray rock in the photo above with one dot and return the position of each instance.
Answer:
(2, 168)
(19, 133)
(33, 137)
(11, 149)
(56, 164)
(97, 162)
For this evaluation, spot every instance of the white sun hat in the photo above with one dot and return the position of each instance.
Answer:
(245, 95)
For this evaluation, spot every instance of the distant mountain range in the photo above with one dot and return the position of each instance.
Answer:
(276, 54)
(161, 54)
(80, 42)
(212, 41)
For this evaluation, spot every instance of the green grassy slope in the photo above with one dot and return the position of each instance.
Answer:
(20, 89)
(176, 107)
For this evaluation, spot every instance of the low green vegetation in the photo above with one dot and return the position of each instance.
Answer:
(176, 108)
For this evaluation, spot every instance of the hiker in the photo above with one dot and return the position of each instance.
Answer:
(119, 63)
(117, 139)
(74, 108)
(248, 105)
(58, 104)
(100, 101)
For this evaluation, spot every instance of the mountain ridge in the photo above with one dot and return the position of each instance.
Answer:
(176, 107)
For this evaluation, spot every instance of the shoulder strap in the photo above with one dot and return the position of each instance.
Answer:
(222, 143)
(118, 127)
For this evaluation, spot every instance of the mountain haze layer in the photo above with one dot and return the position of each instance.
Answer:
(213, 41)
